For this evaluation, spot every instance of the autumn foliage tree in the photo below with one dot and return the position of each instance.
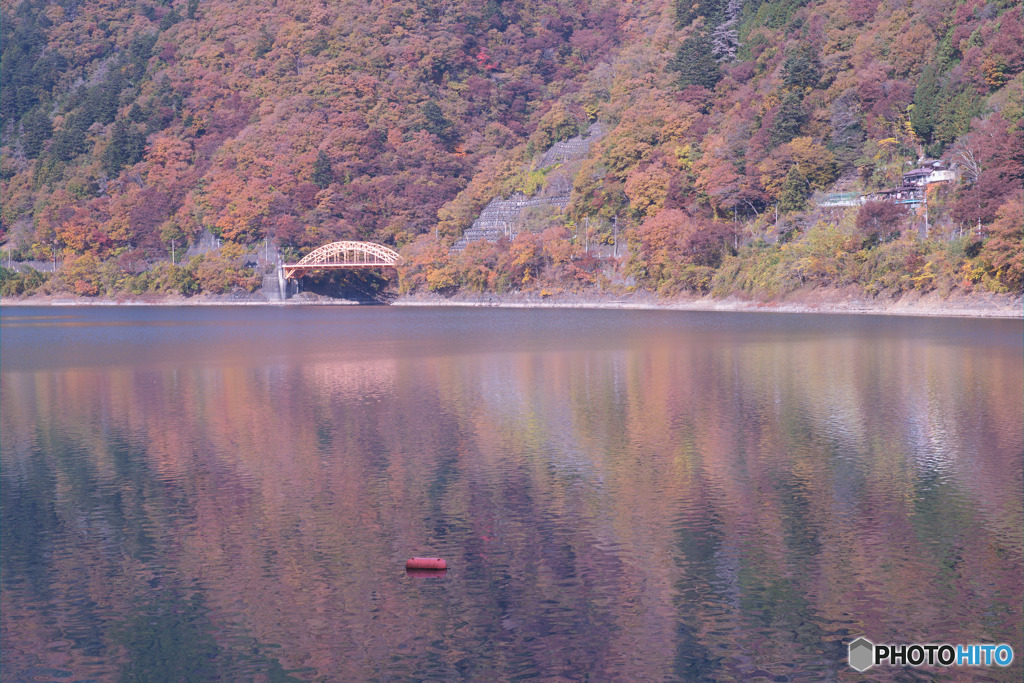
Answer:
(878, 220)
(1005, 248)
(673, 251)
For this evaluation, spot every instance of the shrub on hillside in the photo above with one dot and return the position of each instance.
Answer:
(665, 249)
(880, 220)
(1004, 249)
(13, 283)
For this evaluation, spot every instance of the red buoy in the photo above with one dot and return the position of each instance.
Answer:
(425, 563)
(428, 573)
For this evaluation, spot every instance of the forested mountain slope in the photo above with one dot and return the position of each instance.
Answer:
(129, 127)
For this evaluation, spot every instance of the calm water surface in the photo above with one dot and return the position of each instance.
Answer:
(231, 493)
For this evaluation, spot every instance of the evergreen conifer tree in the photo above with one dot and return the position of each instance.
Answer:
(37, 130)
(793, 195)
(437, 124)
(713, 11)
(70, 140)
(695, 63)
(788, 121)
(801, 68)
(127, 146)
(323, 174)
(922, 116)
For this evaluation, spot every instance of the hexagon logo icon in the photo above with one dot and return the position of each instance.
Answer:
(862, 654)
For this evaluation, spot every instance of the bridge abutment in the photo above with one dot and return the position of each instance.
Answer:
(277, 288)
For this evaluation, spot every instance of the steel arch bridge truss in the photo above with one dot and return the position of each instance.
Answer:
(343, 255)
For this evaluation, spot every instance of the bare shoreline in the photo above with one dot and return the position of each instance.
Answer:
(734, 307)
(822, 301)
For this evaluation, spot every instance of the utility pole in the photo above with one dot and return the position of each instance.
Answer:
(926, 212)
(615, 238)
(172, 251)
(586, 238)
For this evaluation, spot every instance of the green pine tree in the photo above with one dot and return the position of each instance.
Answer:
(801, 69)
(713, 12)
(437, 124)
(922, 116)
(793, 195)
(127, 146)
(788, 121)
(37, 130)
(264, 44)
(323, 174)
(695, 64)
(170, 19)
(957, 105)
(70, 140)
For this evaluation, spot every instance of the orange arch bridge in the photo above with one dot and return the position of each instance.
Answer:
(343, 255)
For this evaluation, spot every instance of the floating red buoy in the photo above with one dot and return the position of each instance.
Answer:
(425, 563)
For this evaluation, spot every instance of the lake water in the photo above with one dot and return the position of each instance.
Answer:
(219, 493)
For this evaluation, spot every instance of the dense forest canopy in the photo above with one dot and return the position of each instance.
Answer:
(131, 129)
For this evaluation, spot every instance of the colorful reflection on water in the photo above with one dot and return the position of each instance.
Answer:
(231, 493)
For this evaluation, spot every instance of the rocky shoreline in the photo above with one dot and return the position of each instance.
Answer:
(831, 301)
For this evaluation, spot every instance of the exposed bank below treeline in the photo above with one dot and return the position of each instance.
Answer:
(847, 300)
